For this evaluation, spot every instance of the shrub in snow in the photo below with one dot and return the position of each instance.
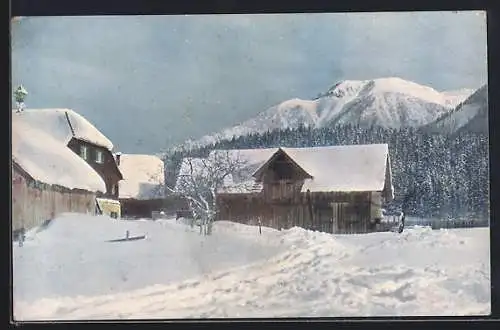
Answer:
(20, 95)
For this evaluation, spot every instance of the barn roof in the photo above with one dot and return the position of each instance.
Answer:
(55, 122)
(333, 168)
(343, 168)
(143, 176)
(47, 159)
(339, 168)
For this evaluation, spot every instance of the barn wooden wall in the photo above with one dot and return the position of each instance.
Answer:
(283, 204)
(349, 213)
(32, 205)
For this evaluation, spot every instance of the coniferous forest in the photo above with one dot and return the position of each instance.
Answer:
(434, 175)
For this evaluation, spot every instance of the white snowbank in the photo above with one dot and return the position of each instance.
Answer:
(49, 160)
(143, 176)
(68, 271)
(55, 123)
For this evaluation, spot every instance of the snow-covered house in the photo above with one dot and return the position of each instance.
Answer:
(47, 177)
(337, 189)
(142, 190)
(81, 136)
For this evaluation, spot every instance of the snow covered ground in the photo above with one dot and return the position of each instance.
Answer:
(69, 271)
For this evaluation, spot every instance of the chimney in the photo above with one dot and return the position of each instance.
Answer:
(117, 157)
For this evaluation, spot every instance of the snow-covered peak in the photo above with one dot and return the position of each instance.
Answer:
(346, 88)
(389, 102)
(398, 85)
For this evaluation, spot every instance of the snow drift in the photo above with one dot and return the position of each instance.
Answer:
(68, 272)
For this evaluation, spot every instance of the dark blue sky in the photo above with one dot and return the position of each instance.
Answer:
(150, 81)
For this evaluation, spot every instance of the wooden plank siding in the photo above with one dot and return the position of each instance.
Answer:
(33, 202)
(341, 213)
(282, 204)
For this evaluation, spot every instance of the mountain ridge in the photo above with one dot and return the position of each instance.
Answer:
(389, 102)
(470, 115)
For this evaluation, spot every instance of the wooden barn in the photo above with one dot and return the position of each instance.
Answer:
(335, 189)
(47, 177)
(86, 141)
(142, 191)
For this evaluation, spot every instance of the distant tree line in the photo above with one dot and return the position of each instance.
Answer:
(434, 175)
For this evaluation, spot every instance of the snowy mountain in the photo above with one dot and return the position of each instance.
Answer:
(470, 115)
(386, 102)
(454, 98)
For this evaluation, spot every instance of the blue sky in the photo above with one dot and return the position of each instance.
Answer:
(152, 81)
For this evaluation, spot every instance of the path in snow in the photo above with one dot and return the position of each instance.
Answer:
(292, 273)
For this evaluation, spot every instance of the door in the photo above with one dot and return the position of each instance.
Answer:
(338, 217)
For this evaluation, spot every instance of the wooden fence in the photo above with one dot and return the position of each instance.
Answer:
(33, 202)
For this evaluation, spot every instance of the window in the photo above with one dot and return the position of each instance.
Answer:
(99, 157)
(84, 152)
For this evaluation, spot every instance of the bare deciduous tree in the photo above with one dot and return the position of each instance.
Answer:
(199, 180)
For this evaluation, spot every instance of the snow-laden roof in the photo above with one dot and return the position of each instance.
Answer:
(54, 122)
(48, 159)
(343, 168)
(143, 177)
(333, 168)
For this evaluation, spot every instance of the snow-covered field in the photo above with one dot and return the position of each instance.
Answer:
(69, 271)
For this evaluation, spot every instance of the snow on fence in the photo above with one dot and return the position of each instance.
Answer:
(33, 202)
(389, 222)
(448, 223)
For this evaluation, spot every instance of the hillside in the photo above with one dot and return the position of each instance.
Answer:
(470, 115)
(384, 102)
